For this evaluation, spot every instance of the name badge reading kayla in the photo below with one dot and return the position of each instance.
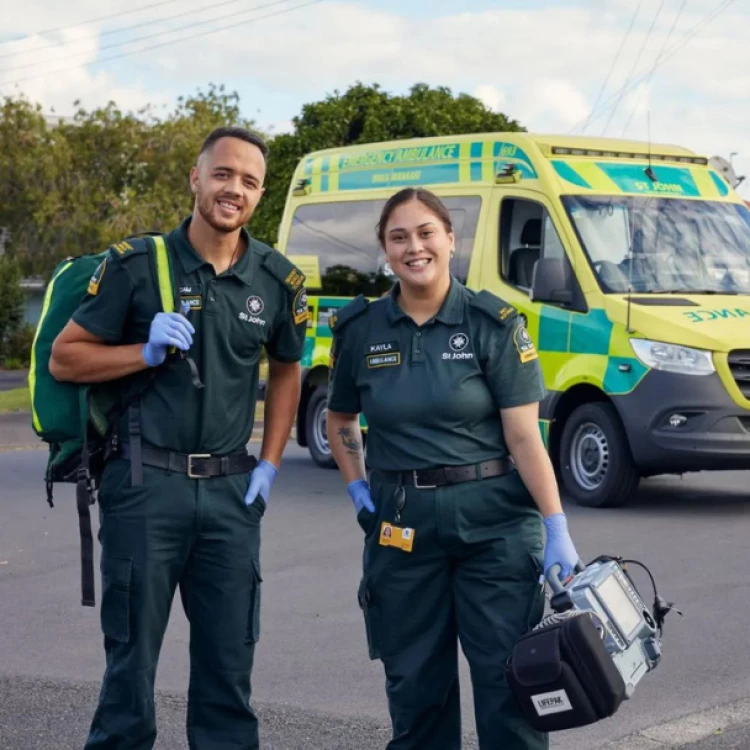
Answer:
(385, 354)
(394, 536)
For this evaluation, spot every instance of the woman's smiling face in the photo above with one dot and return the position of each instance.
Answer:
(417, 244)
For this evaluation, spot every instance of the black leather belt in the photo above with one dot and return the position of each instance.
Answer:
(195, 465)
(443, 475)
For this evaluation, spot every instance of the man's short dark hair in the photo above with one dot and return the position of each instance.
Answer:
(234, 132)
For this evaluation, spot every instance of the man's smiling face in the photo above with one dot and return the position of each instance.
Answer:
(228, 183)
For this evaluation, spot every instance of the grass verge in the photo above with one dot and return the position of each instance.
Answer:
(15, 400)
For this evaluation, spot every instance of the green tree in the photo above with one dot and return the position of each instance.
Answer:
(13, 297)
(76, 187)
(24, 165)
(367, 114)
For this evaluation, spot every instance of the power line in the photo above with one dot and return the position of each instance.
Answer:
(723, 5)
(150, 22)
(164, 44)
(653, 69)
(614, 63)
(635, 63)
(151, 36)
(93, 20)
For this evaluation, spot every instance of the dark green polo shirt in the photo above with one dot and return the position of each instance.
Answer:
(431, 394)
(259, 302)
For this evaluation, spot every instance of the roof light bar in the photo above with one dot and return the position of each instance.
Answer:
(644, 156)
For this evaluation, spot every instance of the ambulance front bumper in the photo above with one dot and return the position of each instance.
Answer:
(681, 423)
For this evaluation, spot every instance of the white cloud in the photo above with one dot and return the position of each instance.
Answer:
(491, 96)
(56, 74)
(552, 100)
(542, 66)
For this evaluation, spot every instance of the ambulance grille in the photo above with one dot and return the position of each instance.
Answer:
(739, 364)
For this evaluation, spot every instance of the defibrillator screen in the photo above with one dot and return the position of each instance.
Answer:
(623, 611)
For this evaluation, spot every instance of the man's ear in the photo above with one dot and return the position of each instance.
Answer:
(194, 180)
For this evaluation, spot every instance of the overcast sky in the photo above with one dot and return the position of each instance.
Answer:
(543, 63)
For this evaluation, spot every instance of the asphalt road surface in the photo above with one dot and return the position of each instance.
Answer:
(314, 686)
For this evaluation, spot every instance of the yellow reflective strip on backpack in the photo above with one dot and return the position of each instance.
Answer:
(164, 274)
(32, 363)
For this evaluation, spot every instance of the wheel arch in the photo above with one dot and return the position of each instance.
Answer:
(566, 404)
(313, 378)
(619, 481)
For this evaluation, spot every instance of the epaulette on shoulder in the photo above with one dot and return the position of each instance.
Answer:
(279, 266)
(129, 247)
(347, 313)
(497, 308)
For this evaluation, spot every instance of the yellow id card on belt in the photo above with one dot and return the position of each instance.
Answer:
(394, 536)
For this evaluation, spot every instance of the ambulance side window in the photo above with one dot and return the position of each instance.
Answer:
(342, 236)
(527, 233)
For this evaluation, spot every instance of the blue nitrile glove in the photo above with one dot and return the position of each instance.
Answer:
(359, 491)
(559, 547)
(261, 480)
(167, 329)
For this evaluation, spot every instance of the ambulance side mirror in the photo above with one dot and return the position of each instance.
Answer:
(552, 282)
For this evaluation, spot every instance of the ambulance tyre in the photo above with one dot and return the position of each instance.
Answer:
(596, 466)
(315, 429)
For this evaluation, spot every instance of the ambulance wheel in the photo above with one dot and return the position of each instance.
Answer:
(596, 466)
(316, 423)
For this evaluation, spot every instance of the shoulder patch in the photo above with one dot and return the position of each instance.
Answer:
(347, 313)
(490, 304)
(96, 278)
(524, 345)
(300, 310)
(285, 271)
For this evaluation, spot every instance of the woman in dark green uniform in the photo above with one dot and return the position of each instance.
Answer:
(449, 382)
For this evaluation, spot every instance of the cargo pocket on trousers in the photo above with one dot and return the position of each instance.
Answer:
(372, 619)
(253, 615)
(117, 575)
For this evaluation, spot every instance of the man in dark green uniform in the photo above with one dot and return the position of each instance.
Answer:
(453, 539)
(181, 500)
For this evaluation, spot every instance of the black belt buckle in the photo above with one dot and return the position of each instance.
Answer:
(190, 472)
(417, 485)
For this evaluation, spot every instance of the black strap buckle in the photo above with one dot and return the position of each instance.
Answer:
(190, 471)
(417, 485)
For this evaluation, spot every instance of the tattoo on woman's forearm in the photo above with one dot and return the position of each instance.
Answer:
(352, 445)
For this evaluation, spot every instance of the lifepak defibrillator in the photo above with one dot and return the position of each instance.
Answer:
(586, 657)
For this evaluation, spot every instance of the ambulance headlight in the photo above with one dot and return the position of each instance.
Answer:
(673, 358)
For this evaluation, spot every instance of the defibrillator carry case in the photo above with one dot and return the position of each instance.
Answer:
(562, 675)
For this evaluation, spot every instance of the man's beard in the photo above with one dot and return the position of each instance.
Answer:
(206, 208)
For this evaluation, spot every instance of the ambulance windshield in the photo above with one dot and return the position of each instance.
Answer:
(664, 244)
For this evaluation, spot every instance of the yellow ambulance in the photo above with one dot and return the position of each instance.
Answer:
(629, 261)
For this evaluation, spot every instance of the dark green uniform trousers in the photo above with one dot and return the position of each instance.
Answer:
(197, 534)
(473, 577)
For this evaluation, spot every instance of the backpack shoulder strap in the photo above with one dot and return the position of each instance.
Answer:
(164, 274)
